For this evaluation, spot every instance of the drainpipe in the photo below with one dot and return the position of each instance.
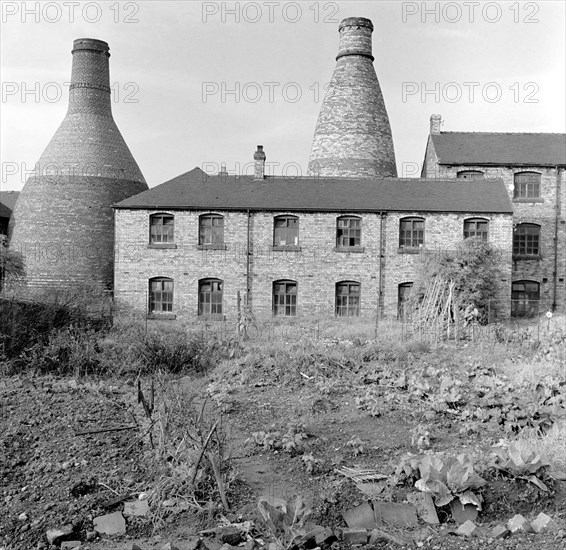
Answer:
(381, 263)
(556, 222)
(248, 254)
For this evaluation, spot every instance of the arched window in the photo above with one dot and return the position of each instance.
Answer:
(403, 293)
(411, 232)
(348, 232)
(161, 228)
(285, 298)
(526, 185)
(525, 296)
(286, 231)
(476, 227)
(470, 175)
(348, 299)
(210, 296)
(211, 229)
(526, 240)
(160, 295)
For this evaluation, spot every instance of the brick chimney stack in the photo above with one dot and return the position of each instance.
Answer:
(63, 222)
(259, 163)
(353, 136)
(435, 122)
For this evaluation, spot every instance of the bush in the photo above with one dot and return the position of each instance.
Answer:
(180, 352)
(68, 351)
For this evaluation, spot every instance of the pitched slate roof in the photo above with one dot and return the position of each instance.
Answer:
(476, 148)
(195, 190)
(7, 202)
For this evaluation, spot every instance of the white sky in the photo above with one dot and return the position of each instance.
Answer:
(164, 53)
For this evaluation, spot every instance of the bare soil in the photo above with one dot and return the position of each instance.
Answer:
(52, 476)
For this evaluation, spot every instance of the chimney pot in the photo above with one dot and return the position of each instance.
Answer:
(259, 163)
(435, 122)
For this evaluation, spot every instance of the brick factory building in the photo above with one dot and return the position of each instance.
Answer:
(345, 246)
(533, 167)
(348, 239)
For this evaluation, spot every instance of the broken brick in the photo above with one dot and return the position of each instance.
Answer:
(467, 529)
(499, 532)
(355, 536)
(544, 524)
(519, 523)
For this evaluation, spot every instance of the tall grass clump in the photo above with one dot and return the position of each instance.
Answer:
(182, 352)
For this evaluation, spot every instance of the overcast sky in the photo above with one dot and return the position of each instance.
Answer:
(201, 83)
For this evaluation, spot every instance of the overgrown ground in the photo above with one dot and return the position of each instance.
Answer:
(291, 411)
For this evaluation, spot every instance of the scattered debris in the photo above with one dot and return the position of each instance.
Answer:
(499, 532)
(425, 507)
(136, 508)
(110, 524)
(544, 524)
(519, 523)
(373, 515)
(355, 536)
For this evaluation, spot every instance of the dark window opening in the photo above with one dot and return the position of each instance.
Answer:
(525, 296)
(210, 297)
(411, 233)
(160, 295)
(470, 175)
(476, 228)
(348, 232)
(348, 299)
(526, 240)
(211, 229)
(161, 228)
(286, 231)
(285, 298)
(526, 185)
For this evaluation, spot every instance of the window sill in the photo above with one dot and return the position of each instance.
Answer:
(535, 258)
(213, 246)
(528, 200)
(409, 250)
(286, 248)
(355, 249)
(161, 245)
(162, 316)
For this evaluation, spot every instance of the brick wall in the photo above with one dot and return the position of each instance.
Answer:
(316, 267)
(541, 212)
(353, 135)
(63, 219)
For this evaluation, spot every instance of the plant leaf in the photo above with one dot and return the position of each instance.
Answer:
(536, 481)
(467, 497)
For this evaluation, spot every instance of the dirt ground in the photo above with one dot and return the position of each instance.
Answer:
(54, 474)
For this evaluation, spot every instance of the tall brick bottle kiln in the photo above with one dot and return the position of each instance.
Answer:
(353, 136)
(63, 220)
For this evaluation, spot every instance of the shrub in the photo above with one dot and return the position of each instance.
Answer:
(69, 351)
(179, 352)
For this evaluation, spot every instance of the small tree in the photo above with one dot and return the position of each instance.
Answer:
(473, 268)
(12, 265)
